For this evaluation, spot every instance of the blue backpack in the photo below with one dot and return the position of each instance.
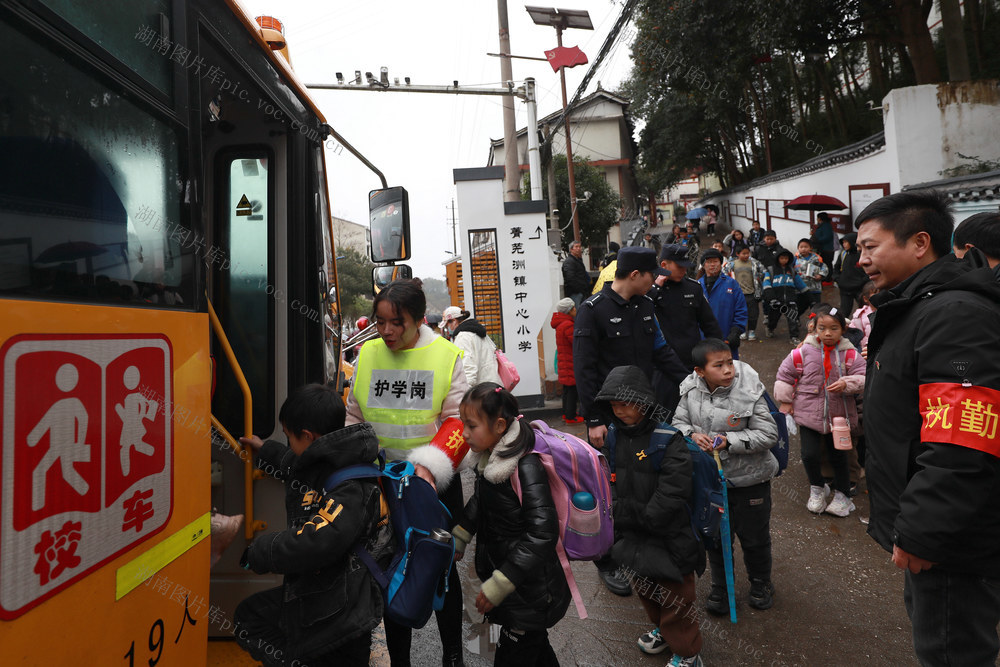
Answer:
(416, 580)
(706, 502)
(780, 449)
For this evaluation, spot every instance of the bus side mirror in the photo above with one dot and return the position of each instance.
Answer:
(383, 275)
(389, 225)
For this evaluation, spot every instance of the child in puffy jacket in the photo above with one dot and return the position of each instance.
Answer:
(810, 267)
(816, 383)
(655, 544)
(726, 398)
(524, 589)
(860, 319)
(562, 322)
(782, 286)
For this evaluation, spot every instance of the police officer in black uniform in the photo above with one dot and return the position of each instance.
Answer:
(618, 327)
(682, 310)
(684, 314)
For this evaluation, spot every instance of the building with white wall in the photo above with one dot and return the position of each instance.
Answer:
(347, 234)
(601, 131)
(929, 131)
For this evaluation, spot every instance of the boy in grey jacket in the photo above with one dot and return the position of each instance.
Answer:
(725, 398)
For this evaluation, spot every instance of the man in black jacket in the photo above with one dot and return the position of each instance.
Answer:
(576, 280)
(932, 405)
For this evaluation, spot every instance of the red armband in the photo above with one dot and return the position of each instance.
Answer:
(449, 440)
(967, 416)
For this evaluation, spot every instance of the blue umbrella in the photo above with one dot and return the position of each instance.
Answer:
(697, 213)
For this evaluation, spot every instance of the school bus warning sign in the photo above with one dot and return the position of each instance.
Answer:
(86, 457)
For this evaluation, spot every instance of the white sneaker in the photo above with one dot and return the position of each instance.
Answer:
(841, 505)
(752, 335)
(743, 336)
(817, 498)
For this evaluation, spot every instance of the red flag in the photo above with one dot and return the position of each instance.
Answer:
(566, 56)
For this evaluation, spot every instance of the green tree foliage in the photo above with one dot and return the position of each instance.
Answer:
(354, 281)
(744, 87)
(436, 292)
(597, 215)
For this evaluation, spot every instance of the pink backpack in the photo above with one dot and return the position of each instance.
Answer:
(509, 376)
(575, 471)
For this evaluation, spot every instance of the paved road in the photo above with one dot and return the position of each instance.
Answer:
(839, 598)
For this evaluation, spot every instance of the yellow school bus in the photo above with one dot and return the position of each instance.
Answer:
(166, 276)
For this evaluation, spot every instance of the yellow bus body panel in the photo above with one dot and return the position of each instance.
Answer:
(164, 617)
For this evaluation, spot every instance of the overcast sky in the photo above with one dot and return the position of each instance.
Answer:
(416, 140)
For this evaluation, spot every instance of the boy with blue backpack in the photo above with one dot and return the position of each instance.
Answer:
(723, 407)
(655, 543)
(329, 603)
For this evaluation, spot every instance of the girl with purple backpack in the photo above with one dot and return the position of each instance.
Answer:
(524, 589)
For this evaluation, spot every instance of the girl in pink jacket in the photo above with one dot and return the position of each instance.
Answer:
(860, 319)
(816, 383)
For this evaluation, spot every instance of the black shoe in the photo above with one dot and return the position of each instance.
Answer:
(454, 660)
(854, 490)
(761, 594)
(614, 583)
(717, 602)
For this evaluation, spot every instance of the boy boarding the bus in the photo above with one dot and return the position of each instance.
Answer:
(328, 604)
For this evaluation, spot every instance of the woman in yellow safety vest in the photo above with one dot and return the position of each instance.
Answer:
(406, 383)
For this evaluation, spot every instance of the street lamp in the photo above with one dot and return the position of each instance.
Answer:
(560, 19)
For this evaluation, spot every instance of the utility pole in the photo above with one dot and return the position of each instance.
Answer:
(569, 146)
(560, 19)
(512, 171)
(454, 225)
(534, 159)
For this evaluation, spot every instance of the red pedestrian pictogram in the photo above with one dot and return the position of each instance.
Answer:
(85, 456)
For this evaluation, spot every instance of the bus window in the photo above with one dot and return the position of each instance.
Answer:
(90, 188)
(130, 31)
(246, 288)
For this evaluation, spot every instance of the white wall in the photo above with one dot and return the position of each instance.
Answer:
(925, 129)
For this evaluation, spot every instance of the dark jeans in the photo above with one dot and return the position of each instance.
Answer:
(813, 445)
(258, 634)
(791, 316)
(954, 617)
(750, 520)
(524, 648)
(753, 309)
(807, 300)
(449, 618)
(847, 300)
(569, 398)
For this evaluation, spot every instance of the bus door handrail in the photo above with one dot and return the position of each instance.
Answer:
(249, 525)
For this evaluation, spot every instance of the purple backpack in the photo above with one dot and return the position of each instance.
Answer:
(576, 471)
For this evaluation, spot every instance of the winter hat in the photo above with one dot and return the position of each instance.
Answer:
(565, 305)
(711, 253)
